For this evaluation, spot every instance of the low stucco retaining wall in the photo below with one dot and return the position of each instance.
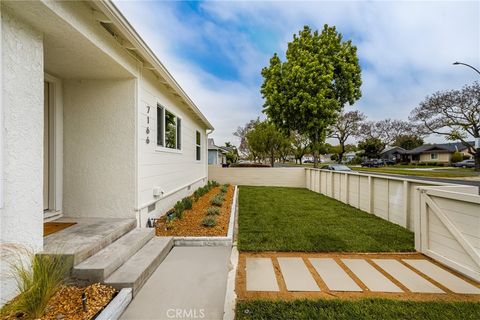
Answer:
(275, 177)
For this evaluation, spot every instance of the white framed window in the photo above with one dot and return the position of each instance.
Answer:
(433, 156)
(169, 129)
(198, 145)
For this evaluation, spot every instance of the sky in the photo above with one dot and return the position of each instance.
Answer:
(216, 49)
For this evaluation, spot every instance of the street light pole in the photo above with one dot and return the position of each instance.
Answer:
(465, 64)
(477, 139)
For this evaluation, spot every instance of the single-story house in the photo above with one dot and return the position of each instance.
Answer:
(92, 123)
(437, 152)
(217, 156)
(397, 154)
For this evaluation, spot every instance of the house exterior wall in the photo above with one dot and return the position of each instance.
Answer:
(442, 157)
(21, 217)
(99, 148)
(176, 172)
(212, 157)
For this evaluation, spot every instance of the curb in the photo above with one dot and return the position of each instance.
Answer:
(212, 241)
(117, 306)
(230, 295)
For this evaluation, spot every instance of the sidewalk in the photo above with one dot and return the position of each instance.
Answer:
(189, 284)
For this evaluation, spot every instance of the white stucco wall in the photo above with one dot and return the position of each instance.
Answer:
(170, 170)
(99, 148)
(21, 218)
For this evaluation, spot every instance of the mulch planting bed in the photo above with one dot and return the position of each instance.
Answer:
(67, 302)
(325, 293)
(191, 223)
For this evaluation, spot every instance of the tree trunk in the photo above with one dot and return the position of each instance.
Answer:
(315, 158)
(272, 159)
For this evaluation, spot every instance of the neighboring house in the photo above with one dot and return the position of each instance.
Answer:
(93, 123)
(216, 155)
(349, 156)
(398, 154)
(441, 152)
(307, 158)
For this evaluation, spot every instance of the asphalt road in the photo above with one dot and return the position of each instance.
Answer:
(454, 181)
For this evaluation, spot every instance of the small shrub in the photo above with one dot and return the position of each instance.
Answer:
(213, 211)
(187, 203)
(224, 188)
(217, 200)
(213, 184)
(457, 157)
(209, 222)
(179, 208)
(38, 277)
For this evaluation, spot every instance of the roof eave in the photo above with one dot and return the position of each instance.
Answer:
(111, 11)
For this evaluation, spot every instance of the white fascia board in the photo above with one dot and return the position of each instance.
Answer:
(116, 17)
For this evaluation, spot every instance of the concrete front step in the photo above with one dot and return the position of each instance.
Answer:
(102, 264)
(135, 271)
(87, 237)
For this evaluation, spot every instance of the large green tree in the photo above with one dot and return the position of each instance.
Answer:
(264, 140)
(408, 141)
(306, 92)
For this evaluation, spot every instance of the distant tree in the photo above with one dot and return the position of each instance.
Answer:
(372, 147)
(408, 141)
(347, 125)
(307, 91)
(300, 145)
(265, 140)
(241, 133)
(228, 144)
(387, 130)
(454, 114)
(232, 157)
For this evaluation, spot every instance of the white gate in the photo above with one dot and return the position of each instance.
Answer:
(448, 229)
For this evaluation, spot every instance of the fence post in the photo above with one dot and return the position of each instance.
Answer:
(370, 194)
(331, 185)
(420, 223)
(406, 203)
(347, 188)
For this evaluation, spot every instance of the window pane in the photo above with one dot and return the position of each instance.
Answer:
(198, 153)
(179, 133)
(170, 130)
(198, 138)
(160, 126)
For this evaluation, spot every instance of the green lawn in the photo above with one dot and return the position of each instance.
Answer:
(294, 219)
(436, 173)
(357, 309)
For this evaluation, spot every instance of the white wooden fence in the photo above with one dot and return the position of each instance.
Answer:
(445, 217)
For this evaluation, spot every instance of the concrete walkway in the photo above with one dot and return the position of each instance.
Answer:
(354, 274)
(189, 284)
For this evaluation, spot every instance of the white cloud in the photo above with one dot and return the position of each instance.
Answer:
(407, 49)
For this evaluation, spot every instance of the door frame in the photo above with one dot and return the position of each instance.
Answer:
(55, 172)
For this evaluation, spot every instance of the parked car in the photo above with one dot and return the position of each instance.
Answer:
(373, 163)
(336, 167)
(390, 162)
(465, 164)
(308, 161)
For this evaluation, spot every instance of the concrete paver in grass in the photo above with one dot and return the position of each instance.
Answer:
(407, 277)
(443, 277)
(296, 275)
(261, 275)
(371, 277)
(333, 275)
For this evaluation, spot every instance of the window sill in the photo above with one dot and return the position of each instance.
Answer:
(168, 150)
